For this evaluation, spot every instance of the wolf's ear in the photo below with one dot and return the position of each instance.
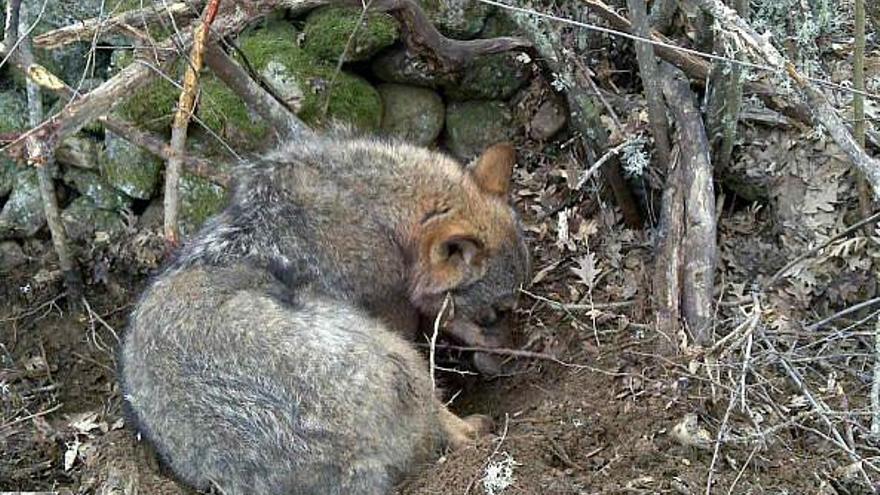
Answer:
(450, 255)
(494, 168)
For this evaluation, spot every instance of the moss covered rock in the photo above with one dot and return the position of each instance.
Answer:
(94, 186)
(327, 31)
(411, 113)
(79, 151)
(221, 110)
(327, 95)
(7, 176)
(403, 67)
(83, 220)
(227, 115)
(152, 106)
(11, 256)
(128, 168)
(13, 115)
(22, 215)
(491, 77)
(472, 126)
(199, 200)
(459, 19)
(500, 24)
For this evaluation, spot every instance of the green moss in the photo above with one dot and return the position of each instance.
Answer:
(152, 106)
(490, 77)
(219, 108)
(128, 168)
(199, 200)
(225, 113)
(328, 30)
(351, 99)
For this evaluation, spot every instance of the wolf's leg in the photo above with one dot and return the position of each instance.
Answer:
(461, 432)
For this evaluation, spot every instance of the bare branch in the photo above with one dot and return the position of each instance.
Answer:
(42, 159)
(283, 120)
(698, 244)
(185, 108)
(699, 69)
(651, 82)
(231, 20)
(822, 110)
(85, 30)
(419, 31)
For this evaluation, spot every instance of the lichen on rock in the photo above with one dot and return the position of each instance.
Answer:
(22, 214)
(199, 200)
(472, 126)
(94, 186)
(128, 168)
(83, 219)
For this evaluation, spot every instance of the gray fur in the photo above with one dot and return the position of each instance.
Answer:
(271, 356)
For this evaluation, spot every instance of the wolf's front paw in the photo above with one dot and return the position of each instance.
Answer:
(465, 431)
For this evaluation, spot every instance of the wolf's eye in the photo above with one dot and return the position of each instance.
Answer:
(488, 317)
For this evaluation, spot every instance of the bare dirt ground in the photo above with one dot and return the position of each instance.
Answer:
(604, 417)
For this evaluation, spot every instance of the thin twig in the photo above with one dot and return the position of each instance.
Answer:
(519, 353)
(88, 28)
(841, 313)
(852, 228)
(31, 416)
(432, 353)
(578, 307)
(42, 158)
(185, 108)
(875, 385)
(651, 83)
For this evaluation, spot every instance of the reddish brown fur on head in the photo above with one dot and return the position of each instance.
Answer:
(454, 245)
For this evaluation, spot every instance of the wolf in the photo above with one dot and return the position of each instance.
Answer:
(275, 354)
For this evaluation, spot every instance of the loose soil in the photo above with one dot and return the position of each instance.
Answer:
(600, 420)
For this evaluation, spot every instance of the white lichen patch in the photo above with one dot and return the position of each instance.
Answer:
(499, 474)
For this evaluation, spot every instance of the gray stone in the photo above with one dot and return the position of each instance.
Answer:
(129, 168)
(11, 256)
(70, 61)
(7, 175)
(548, 120)
(459, 19)
(13, 117)
(78, 151)
(95, 187)
(491, 77)
(13, 111)
(22, 215)
(84, 221)
(401, 66)
(472, 126)
(500, 24)
(285, 83)
(411, 113)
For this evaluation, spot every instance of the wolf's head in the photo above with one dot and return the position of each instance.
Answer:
(473, 249)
